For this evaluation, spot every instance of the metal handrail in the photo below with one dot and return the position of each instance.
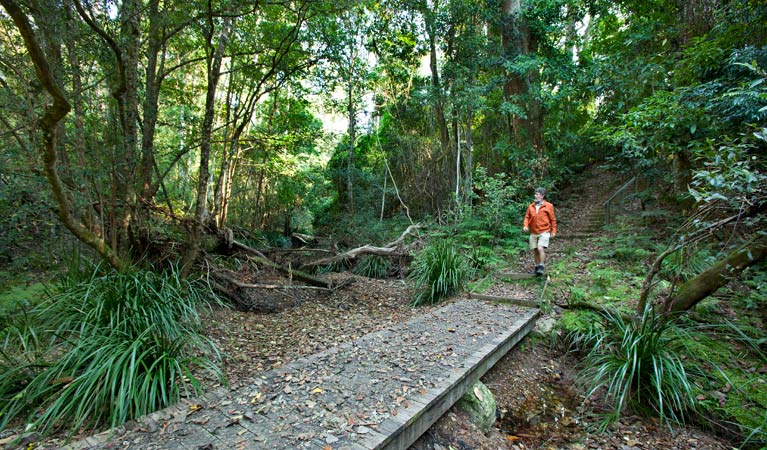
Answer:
(608, 205)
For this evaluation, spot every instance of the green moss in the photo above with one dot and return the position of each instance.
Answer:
(578, 321)
(746, 403)
(702, 347)
(481, 285)
(21, 295)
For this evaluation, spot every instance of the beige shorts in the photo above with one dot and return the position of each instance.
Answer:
(539, 240)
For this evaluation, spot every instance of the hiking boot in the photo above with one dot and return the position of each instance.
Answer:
(539, 269)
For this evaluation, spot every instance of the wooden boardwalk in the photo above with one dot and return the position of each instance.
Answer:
(381, 391)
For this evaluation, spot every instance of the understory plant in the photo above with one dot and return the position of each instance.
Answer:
(105, 347)
(635, 362)
(373, 266)
(438, 271)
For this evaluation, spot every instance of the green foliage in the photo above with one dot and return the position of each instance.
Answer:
(339, 265)
(686, 263)
(104, 347)
(373, 266)
(483, 258)
(754, 296)
(731, 170)
(438, 271)
(578, 326)
(637, 363)
(498, 199)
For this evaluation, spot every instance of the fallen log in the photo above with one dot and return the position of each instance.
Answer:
(242, 285)
(260, 258)
(394, 248)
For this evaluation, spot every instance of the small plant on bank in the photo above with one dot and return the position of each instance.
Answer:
(110, 347)
(438, 271)
(373, 266)
(636, 363)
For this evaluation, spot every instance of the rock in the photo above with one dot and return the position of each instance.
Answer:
(545, 326)
(479, 403)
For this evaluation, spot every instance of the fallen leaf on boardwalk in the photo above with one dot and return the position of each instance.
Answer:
(512, 438)
(317, 390)
(195, 407)
(327, 447)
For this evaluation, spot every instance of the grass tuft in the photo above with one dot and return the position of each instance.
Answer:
(373, 266)
(636, 363)
(438, 271)
(105, 347)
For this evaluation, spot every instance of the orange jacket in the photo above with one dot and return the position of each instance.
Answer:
(542, 221)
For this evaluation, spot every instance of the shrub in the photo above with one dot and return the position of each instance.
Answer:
(110, 347)
(636, 361)
(438, 271)
(373, 266)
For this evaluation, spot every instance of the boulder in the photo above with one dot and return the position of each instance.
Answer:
(479, 403)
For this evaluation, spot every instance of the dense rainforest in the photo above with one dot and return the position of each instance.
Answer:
(149, 150)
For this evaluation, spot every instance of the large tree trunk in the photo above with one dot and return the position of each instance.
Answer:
(215, 56)
(151, 101)
(518, 40)
(49, 122)
(706, 283)
(352, 111)
(439, 109)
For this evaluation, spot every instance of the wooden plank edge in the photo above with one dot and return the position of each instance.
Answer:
(498, 298)
(412, 422)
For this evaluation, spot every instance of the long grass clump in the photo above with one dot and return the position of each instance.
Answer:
(108, 347)
(635, 362)
(373, 266)
(438, 271)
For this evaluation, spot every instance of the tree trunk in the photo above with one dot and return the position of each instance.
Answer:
(709, 281)
(518, 40)
(215, 56)
(49, 122)
(352, 111)
(468, 164)
(151, 100)
(439, 111)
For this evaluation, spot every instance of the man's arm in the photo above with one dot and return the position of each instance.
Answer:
(526, 223)
(553, 218)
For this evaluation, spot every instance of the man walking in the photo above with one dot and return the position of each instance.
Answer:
(541, 222)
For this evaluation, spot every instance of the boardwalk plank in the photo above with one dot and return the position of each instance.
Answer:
(381, 391)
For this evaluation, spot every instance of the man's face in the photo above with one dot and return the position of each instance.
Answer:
(538, 197)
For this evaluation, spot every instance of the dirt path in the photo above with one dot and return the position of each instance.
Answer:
(538, 404)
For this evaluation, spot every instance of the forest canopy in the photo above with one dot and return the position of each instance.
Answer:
(140, 122)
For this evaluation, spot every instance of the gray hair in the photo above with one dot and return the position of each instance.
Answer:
(541, 191)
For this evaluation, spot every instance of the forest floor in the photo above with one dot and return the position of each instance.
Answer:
(539, 405)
